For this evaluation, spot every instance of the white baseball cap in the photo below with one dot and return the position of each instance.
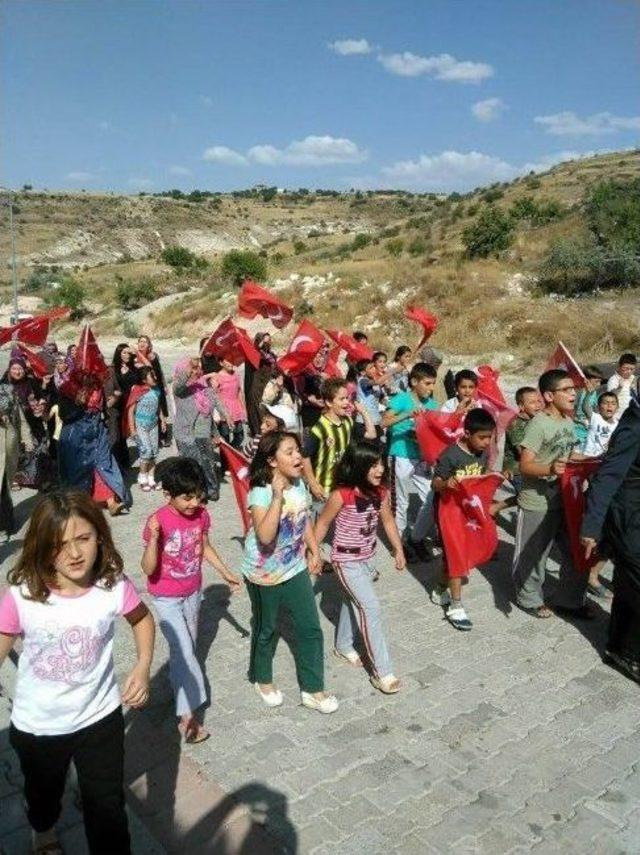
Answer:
(285, 414)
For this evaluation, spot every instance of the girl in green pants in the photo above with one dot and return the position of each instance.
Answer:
(280, 552)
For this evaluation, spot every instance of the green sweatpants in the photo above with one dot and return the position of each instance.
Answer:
(296, 595)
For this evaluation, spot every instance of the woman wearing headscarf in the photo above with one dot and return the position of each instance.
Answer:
(262, 343)
(195, 430)
(14, 432)
(146, 356)
(612, 520)
(84, 454)
(35, 467)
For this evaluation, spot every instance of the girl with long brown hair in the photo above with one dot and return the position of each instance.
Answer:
(67, 589)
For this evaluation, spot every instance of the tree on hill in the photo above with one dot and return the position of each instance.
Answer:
(241, 264)
(491, 233)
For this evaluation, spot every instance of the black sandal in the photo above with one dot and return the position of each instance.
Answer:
(629, 667)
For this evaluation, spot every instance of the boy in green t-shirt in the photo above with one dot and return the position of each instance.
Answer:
(408, 469)
(546, 446)
(529, 405)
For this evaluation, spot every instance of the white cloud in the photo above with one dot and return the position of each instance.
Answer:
(442, 67)
(350, 47)
(141, 183)
(179, 170)
(80, 176)
(462, 171)
(488, 110)
(223, 154)
(449, 170)
(569, 123)
(311, 151)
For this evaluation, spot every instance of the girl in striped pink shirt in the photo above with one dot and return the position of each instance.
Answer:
(359, 501)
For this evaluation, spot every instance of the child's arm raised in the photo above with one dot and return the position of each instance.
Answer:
(135, 692)
(391, 530)
(328, 514)
(369, 427)
(149, 561)
(266, 521)
(211, 555)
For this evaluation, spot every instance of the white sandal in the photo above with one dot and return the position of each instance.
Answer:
(351, 657)
(271, 699)
(328, 704)
(388, 685)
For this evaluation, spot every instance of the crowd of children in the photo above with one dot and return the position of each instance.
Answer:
(329, 459)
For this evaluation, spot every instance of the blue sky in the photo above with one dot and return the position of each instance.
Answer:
(429, 95)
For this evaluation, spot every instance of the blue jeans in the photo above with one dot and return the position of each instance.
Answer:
(178, 619)
(362, 609)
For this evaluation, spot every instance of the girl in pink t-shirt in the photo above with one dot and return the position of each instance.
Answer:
(176, 540)
(67, 589)
(232, 396)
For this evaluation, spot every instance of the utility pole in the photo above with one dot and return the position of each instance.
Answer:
(14, 273)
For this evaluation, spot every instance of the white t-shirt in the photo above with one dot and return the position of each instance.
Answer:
(452, 405)
(622, 388)
(598, 436)
(66, 679)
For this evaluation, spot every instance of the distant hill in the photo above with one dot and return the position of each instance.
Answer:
(351, 260)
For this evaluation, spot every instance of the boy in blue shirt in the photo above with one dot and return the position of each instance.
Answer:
(407, 467)
(371, 394)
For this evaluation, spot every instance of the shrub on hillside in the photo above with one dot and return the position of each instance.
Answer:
(418, 246)
(395, 247)
(360, 241)
(575, 266)
(132, 295)
(613, 213)
(299, 247)
(70, 294)
(538, 213)
(241, 264)
(491, 233)
(179, 257)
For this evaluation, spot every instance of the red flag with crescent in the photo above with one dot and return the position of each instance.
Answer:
(355, 350)
(231, 342)
(561, 358)
(468, 530)
(436, 431)
(238, 466)
(29, 331)
(254, 300)
(305, 344)
(573, 483)
(89, 359)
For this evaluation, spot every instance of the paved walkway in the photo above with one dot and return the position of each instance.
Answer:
(513, 737)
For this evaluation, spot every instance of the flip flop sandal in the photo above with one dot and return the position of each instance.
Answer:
(541, 612)
(351, 657)
(197, 737)
(598, 591)
(388, 685)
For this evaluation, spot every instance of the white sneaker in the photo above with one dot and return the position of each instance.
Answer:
(329, 703)
(458, 618)
(142, 479)
(271, 699)
(440, 596)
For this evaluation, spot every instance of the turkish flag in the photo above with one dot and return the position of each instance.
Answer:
(305, 344)
(238, 466)
(355, 350)
(231, 342)
(427, 321)
(88, 359)
(436, 431)
(38, 365)
(331, 368)
(561, 358)
(572, 489)
(29, 331)
(490, 397)
(254, 300)
(468, 531)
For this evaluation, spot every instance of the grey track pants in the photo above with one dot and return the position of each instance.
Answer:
(536, 532)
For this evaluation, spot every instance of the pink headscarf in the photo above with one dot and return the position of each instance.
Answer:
(201, 393)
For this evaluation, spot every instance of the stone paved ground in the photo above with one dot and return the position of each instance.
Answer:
(513, 737)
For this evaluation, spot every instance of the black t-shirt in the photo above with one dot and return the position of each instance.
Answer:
(310, 386)
(455, 461)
